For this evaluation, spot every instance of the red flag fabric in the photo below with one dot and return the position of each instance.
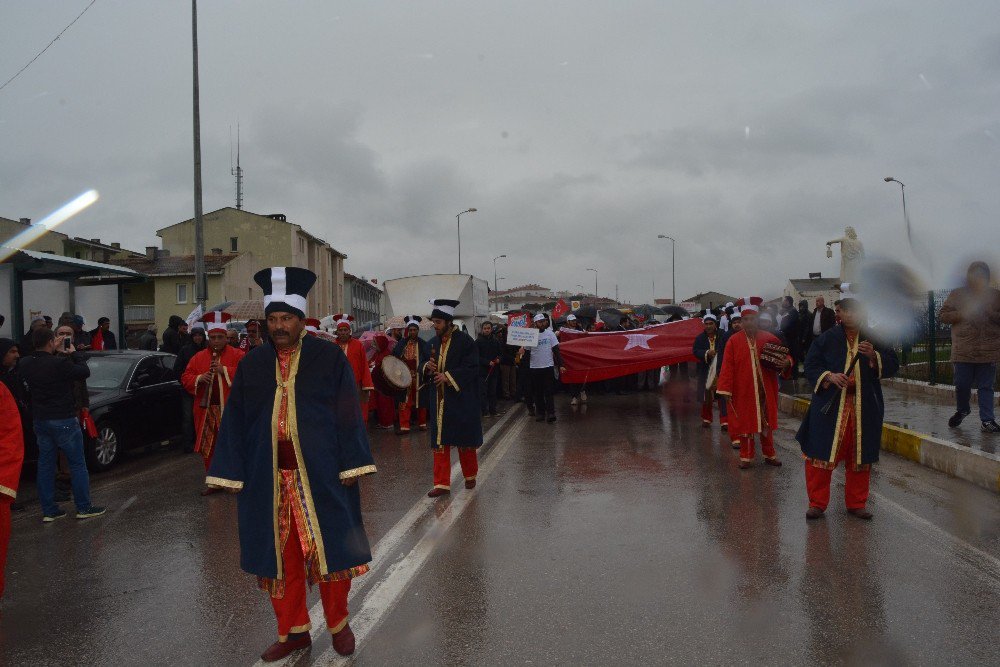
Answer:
(593, 356)
(97, 340)
(561, 310)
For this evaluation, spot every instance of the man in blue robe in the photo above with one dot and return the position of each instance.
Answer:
(292, 444)
(844, 421)
(456, 421)
(708, 346)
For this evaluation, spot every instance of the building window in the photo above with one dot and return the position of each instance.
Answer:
(302, 245)
(182, 293)
(233, 244)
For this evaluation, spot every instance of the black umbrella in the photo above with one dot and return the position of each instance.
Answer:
(586, 312)
(675, 312)
(647, 312)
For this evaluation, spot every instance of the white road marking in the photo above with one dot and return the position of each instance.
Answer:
(985, 565)
(390, 589)
(388, 543)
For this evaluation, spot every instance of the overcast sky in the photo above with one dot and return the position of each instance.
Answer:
(750, 132)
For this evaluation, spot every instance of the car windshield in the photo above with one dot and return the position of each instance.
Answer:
(107, 372)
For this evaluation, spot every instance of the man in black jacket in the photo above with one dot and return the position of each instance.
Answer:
(107, 337)
(173, 336)
(50, 372)
(820, 321)
(489, 369)
(197, 344)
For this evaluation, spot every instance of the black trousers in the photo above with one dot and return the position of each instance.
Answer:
(488, 391)
(543, 381)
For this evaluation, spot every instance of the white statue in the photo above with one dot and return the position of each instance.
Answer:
(852, 254)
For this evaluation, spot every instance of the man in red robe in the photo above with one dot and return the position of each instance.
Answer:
(751, 388)
(358, 359)
(11, 457)
(209, 378)
(415, 352)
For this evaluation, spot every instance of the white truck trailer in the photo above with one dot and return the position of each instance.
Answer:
(410, 296)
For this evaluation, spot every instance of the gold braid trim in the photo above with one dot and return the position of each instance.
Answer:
(223, 483)
(7, 491)
(357, 472)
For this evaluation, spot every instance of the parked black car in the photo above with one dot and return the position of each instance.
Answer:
(135, 400)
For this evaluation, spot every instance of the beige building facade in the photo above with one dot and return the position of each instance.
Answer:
(271, 241)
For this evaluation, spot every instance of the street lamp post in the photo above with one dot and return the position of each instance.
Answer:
(673, 267)
(595, 286)
(931, 324)
(200, 284)
(495, 276)
(458, 225)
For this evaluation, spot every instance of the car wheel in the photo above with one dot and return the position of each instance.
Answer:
(106, 448)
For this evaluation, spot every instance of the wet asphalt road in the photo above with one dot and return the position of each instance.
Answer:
(623, 534)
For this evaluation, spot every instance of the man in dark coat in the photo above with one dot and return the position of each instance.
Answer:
(456, 419)
(196, 345)
(489, 369)
(172, 336)
(788, 325)
(710, 344)
(844, 421)
(296, 471)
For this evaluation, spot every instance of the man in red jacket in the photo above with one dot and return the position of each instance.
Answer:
(356, 356)
(209, 377)
(751, 388)
(11, 457)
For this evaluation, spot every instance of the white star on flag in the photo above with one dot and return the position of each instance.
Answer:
(638, 340)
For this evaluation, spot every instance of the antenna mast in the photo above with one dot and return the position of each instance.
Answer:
(238, 171)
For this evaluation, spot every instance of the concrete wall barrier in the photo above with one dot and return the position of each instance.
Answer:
(980, 468)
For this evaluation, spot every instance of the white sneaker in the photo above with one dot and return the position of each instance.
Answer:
(583, 397)
(574, 401)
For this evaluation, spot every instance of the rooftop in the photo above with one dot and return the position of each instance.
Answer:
(174, 265)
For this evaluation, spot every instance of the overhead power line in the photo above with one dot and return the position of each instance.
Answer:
(54, 39)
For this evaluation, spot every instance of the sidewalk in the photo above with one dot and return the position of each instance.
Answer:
(916, 428)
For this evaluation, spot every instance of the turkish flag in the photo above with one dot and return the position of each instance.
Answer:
(97, 340)
(560, 311)
(593, 356)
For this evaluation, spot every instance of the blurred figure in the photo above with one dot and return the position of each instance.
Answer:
(147, 341)
(416, 352)
(788, 325)
(973, 311)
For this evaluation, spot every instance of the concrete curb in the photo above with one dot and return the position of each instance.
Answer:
(921, 387)
(980, 468)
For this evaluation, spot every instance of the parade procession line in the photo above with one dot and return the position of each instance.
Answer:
(392, 569)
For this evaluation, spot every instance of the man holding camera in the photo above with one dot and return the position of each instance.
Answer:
(50, 372)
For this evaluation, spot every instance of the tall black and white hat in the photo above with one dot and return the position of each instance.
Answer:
(412, 321)
(285, 289)
(444, 308)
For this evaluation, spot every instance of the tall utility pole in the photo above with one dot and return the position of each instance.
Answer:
(495, 277)
(199, 223)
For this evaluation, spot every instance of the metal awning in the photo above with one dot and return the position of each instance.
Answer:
(33, 265)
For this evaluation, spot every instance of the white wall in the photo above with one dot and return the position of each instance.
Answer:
(96, 301)
(49, 297)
